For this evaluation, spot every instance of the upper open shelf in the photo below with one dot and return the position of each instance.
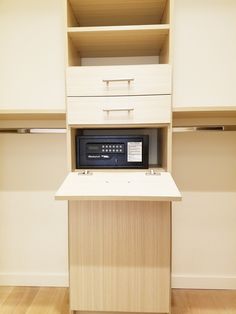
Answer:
(118, 41)
(119, 12)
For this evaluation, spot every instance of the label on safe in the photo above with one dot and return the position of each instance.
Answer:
(134, 152)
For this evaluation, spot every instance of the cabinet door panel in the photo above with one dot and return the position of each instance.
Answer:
(120, 256)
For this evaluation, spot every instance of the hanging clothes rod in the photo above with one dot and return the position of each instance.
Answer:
(211, 128)
(33, 130)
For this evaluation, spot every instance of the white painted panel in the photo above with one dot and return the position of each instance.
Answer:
(204, 223)
(32, 54)
(33, 226)
(204, 53)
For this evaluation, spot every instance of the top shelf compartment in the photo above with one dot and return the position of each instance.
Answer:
(117, 13)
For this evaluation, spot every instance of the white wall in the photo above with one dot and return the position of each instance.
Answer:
(204, 53)
(32, 54)
(204, 223)
(204, 164)
(33, 226)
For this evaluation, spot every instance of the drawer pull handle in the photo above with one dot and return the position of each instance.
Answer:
(118, 109)
(128, 80)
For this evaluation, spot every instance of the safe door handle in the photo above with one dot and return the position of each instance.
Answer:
(128, 80)
(118, 109)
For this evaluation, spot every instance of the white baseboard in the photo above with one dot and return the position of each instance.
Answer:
(179, 281)
(188, 281)
(34, 279)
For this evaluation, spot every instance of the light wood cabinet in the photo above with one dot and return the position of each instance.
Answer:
(119, 219)
(123, 249)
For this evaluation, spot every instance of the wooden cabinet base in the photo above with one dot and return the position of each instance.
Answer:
(119, 256)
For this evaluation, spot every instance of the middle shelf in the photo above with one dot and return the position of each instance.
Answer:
(119, 41)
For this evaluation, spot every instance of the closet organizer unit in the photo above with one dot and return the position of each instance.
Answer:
(119, 219)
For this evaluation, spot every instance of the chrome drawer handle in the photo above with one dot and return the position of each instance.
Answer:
(118, 109)
(128, 80)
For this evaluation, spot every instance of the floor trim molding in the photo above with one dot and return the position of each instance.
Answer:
(188, 281)
(34, 279)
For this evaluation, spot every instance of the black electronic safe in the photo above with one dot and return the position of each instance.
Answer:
(112, 151)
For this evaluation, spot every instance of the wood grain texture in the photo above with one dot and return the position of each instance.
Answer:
(34, 300)
(120, 256)
(119, 12)
(135, 110)
(183, 301)
(203, 302)
(119, 41)
(149, 79)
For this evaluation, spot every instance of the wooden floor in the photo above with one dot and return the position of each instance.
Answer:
(34, 300)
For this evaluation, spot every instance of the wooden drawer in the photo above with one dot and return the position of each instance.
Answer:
(135, 110)
(119, 80)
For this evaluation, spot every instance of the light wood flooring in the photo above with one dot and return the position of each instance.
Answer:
(35, 300)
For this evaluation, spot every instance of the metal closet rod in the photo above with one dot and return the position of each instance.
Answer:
(63, 130)
(33, 130)
(210, 128)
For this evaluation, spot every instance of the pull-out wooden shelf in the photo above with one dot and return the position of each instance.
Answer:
(119, 186)
(119, 41)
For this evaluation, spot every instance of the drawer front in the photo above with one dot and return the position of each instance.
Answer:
(119, 110)
(119, 80)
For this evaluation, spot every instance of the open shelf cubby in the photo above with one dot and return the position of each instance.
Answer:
(158, 143)
(119, 12)
(122, 41)
(118, 29)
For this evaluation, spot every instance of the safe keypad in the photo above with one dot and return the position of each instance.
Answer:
(113, 148)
